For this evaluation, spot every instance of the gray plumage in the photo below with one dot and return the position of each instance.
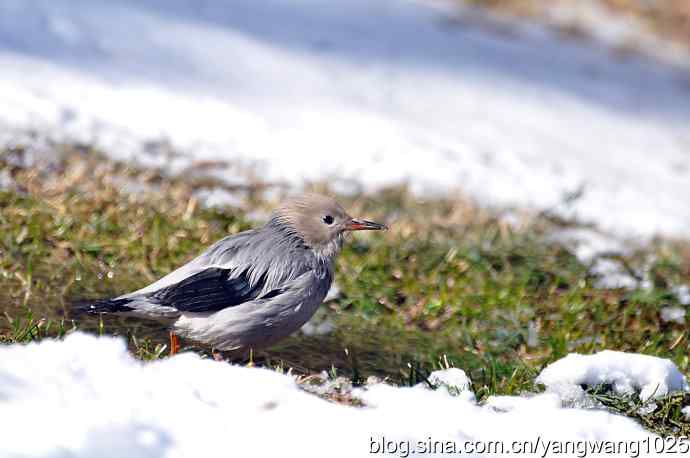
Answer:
(254, 288)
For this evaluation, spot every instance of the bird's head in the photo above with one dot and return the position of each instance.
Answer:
(320, 222)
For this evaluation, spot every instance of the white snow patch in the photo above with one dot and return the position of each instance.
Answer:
(6, 180)
(218, 198)
(686, 412)
(673, 314)
(612, 275)
(487, 423)
(86, 396)
(587, 244)
(375, 92)
(516, 403)
(454, 381)
(318, 327)
(600, 252)
(683, 294)
(627, 373)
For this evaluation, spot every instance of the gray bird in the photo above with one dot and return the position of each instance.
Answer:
(251, 289)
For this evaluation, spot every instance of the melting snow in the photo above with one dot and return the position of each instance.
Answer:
(378, 92)
(87, 396)
(454, 381)
(673, 314)
(627, 373)
(683, 294)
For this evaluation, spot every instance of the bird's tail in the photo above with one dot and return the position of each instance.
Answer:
(101, 306)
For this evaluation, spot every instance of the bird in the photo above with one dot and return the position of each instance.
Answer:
(251, 289)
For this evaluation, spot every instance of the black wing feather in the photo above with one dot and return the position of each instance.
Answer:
(102, 306)
(208, 291)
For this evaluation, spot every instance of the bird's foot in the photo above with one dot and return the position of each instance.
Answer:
(174, 344)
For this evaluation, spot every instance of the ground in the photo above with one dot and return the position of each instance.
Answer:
(667, 20)
(451, 284)
(534, 179)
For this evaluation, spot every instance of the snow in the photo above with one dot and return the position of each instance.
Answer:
(374, 93)
(612, 275)
(673, 314)
(683, 294)
(627, 373)
(318, 326)
(87, 396)
(599, 252)
(622, 31)
(380, 92)
(515, 403)
(588, 244)
(454, 381)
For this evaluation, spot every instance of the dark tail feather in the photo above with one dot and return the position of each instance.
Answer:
(102, 306)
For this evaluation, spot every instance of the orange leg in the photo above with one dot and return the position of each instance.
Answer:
(174, 344)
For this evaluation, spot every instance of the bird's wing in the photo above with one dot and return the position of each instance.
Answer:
(234, 270)
(228, 247)
(209, 290)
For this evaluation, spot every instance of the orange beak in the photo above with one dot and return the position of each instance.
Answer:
(364, 225)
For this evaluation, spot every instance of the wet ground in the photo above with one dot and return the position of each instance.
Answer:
(344, 343)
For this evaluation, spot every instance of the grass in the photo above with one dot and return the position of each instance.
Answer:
(665, 417)
(668, 20)
(450, 284)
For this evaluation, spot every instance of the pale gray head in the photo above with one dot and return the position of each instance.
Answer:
(320, 222)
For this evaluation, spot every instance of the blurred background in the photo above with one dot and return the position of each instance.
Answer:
(511, 102)
(531, 156)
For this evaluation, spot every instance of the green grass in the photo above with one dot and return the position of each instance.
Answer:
(449, 284)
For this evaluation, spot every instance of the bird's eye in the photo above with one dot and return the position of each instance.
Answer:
(328, 219)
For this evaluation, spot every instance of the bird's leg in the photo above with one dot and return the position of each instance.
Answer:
(174, 344)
